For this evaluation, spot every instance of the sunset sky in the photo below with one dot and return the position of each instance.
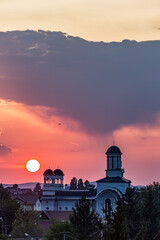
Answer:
(71, 85)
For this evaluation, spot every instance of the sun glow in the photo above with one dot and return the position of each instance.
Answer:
(32, 165)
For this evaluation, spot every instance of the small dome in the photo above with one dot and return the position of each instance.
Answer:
(58, 172)
(113, 150)
(48, 172)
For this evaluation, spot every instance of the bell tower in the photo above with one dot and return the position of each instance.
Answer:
(114, 163)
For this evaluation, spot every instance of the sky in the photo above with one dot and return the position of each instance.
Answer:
(95, 20)
(71, 84)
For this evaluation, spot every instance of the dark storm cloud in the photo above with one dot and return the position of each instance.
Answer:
(4, 151)
(102, 85)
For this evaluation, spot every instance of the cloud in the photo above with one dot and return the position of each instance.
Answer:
(101, 86)
(4, 150)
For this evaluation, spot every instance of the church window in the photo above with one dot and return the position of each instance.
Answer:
(48, 181)
(117, 162)
(108, 206)
(57, 181)
(112, 162)
(107, 162)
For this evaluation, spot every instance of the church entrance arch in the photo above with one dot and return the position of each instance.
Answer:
(108, 207)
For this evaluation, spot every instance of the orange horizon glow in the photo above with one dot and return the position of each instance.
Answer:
(77, 153)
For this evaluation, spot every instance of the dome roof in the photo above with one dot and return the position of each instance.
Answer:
(113, 150)
(58, 172)
(48, 172)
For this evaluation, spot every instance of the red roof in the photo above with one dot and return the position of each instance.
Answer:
(57, 215)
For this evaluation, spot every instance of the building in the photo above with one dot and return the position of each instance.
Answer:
(56, 198)
(28, 202)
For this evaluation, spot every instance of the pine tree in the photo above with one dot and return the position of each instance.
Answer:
(85, 221)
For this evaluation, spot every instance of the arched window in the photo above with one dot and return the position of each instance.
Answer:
(117, 163)
(112, 162)
(108, 206)
(49, 181)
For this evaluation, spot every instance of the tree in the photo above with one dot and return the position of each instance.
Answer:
(86, 222)
(15, 186)
(8, 207)
(58, 229)
(137, 215)
(73, 184)
(37, 189)
(3, 237)
(26, 222)
(88, 186)
(80, 184)
(149, 212)
(121, 224)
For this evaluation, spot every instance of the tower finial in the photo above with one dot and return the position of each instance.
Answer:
(113, 141)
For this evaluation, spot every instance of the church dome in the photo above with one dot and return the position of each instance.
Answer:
(113, 150)
(58, 172)
(48, 172)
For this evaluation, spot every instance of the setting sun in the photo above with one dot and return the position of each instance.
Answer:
(33, 165)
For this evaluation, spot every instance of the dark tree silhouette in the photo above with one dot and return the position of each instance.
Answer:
(85, 221)
(37, 189)
(80, 184)
(8, 207)
(73, 184)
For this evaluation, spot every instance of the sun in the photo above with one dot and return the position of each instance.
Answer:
(32, 165)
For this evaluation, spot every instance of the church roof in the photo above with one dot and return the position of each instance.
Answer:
(113, 150)
(58, 172)
(48, 172)
(77, 193)
(27, 199)
(114, 180)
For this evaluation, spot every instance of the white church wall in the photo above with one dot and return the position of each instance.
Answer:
(121, 187)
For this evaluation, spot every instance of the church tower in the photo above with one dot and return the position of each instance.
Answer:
(114, 185)
(53, 182)
(114, 163)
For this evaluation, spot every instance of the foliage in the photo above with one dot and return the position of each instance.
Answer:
(73, 184)
(137, 216)
(15, 186)
(37, 189)
(3, 237)
(8, 207)
(85, 221)
(26, 222)
(80, 184)
(149, 211)
(57, 230)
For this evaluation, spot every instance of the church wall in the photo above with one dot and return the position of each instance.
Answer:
(100, 202)
(107, 185)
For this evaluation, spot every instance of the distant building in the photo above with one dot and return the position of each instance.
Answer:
(19, 191)
(55, 198)
(29, 202)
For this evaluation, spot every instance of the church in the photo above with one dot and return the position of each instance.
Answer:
(56, 198)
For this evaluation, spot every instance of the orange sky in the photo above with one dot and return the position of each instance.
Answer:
(67, 147)
(27, 131)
